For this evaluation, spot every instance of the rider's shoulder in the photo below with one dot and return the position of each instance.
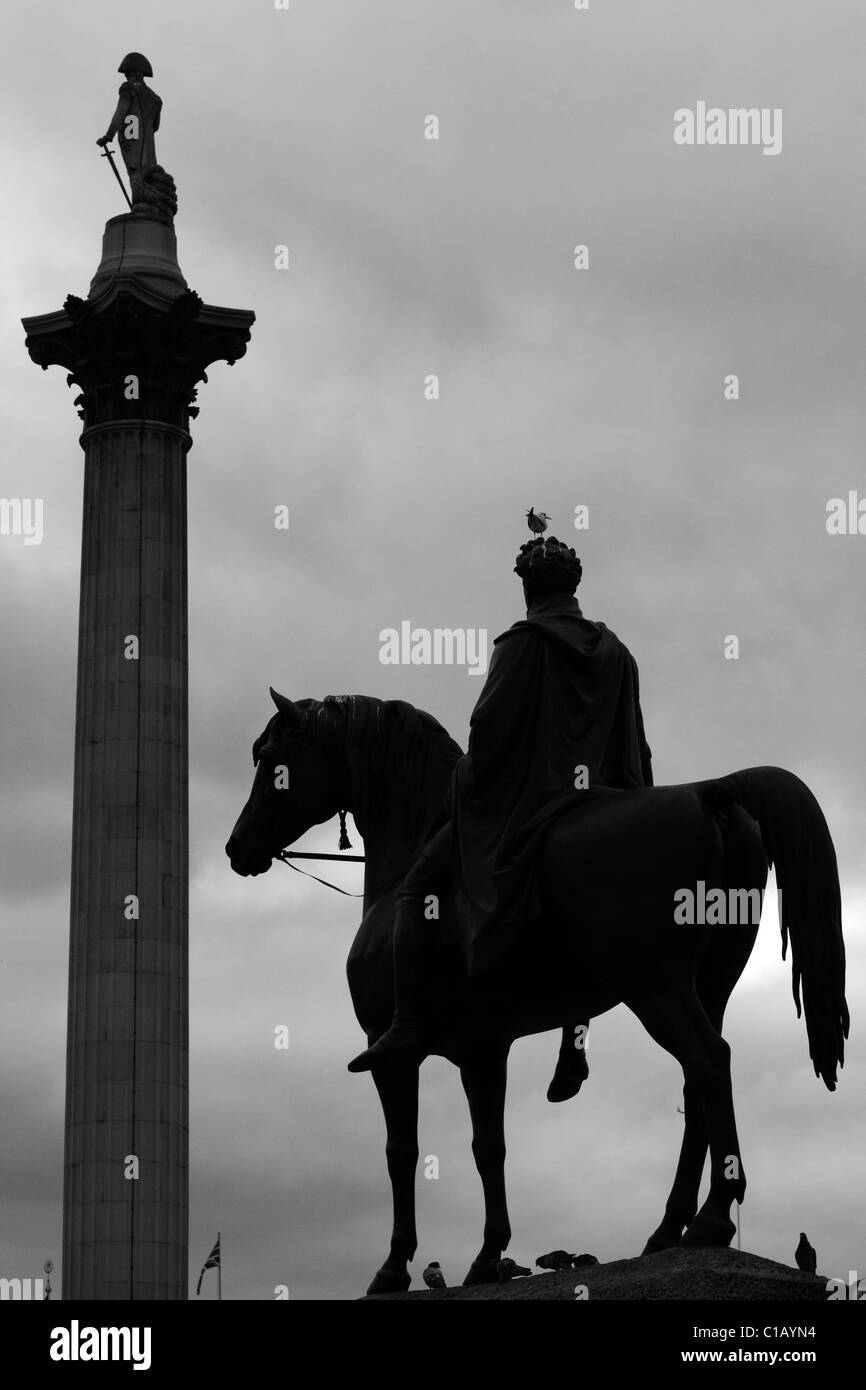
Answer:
(524, 627)
(613, 640)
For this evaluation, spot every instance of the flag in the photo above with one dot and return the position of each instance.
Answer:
(212, 1262)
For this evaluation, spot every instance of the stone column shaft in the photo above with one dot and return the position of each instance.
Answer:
(137, 347)
(127, 1049)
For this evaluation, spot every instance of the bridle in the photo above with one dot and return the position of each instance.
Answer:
(342, 703)
(286, 856)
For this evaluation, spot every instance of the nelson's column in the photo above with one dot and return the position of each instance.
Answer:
(136, 347)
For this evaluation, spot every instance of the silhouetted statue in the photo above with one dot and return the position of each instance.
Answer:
(608, 874)
(559, 709)
(135, 123)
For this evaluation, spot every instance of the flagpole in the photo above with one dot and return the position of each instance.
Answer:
(220, 1267)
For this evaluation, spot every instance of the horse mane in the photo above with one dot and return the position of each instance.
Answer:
(400, 759)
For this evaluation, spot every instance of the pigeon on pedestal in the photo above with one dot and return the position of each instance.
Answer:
(433, 1276)
(805, 1255)
(556, 1259)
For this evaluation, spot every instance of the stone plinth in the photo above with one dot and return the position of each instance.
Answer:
(681, 1274)
(135, 247)
(136, 347)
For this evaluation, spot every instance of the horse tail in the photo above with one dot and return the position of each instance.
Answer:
(797, 841)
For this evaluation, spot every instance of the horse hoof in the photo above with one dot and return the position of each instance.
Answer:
(483, 1272)
(662, 1239)
(390, 1281)
(569, 1076)
(710, 1231)
(564, 1088)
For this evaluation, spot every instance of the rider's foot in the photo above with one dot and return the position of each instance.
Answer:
(400, 1042)
(572, 1070)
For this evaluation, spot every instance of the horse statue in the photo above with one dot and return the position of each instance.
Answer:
(610, 869)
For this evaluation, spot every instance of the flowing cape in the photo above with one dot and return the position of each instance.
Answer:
(561, 692)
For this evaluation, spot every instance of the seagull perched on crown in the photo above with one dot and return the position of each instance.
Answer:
(537, 521)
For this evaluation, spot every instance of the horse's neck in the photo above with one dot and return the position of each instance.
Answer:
(388, 856)
(393, 837)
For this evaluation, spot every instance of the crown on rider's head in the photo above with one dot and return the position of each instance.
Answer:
(549, 566)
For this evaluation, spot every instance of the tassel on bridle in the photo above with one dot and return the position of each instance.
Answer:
(345, 842)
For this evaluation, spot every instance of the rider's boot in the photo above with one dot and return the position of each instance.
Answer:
(400, 1041)
(572, 1068)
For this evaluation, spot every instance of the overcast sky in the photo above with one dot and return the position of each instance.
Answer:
(600, 387)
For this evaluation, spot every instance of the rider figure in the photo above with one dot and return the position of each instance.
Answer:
(559, 710)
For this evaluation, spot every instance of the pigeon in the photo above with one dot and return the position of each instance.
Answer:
(537, 521)
(433, 1276)
(584, 1260)
(557, 1259)
(508, 1269)
(805, 1255)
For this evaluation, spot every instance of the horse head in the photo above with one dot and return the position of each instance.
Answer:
(302, 779)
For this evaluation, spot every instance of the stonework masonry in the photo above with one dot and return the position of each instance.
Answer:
(137, 348)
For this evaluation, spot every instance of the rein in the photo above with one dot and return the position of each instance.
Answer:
(286, 856)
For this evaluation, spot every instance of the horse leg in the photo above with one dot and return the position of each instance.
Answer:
(397, 1084)
(678, 1022)
(682, 1202)
(572, 1068)
(484, 1081)
(719, 972)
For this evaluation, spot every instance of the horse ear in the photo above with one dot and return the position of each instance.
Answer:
(286, 706)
